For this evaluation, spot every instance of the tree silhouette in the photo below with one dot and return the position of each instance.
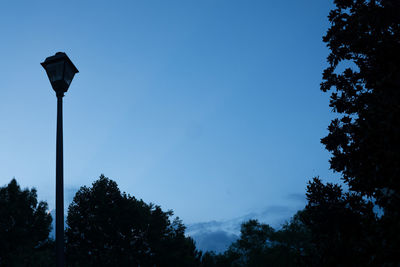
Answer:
(24, 227)
(107, 227)
(365, 140)
(261, 245)
(249, 249)
(364, 75)
(342, 227)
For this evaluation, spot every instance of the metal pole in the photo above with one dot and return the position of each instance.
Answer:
(59, 187)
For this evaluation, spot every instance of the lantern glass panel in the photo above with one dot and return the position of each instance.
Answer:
(55, 71)
(69, 73)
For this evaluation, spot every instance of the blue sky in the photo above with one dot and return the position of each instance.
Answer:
(209, 108)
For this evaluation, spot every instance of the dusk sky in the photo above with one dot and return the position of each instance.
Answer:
(210, 108)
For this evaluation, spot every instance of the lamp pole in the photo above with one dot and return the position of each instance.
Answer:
(59, 186)
(61, 71)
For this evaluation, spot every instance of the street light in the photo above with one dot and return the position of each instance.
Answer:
(61, 71)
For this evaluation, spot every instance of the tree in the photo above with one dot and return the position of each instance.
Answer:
(250, 247)
(24, 227)
(341, 226)
(292, 243)
(364, 75)
(107, 227)
(365, 139)
(261, 245)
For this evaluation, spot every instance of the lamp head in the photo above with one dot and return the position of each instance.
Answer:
(61, 71)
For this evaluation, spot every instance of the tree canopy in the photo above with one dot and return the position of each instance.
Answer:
(341, 226)
(364, 80)
(107, 227)
(364, 77)
(24, 226)
(261, 245)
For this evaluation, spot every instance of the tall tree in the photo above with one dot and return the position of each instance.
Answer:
(364, 74)
(364, 77)
(24, 227)
(107, 227)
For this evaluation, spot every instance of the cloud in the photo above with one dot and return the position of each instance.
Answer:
(275, 210)
(69, 193)
(217, 241)
(299, 197)
(218, 235)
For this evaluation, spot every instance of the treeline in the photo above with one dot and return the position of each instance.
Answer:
(336, 228)
(104, 228)
(359, 226)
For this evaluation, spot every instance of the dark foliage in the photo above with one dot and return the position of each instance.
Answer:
(107, 227)
(261, 245)
(364, 40)
(24, 228)
(342, 227)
